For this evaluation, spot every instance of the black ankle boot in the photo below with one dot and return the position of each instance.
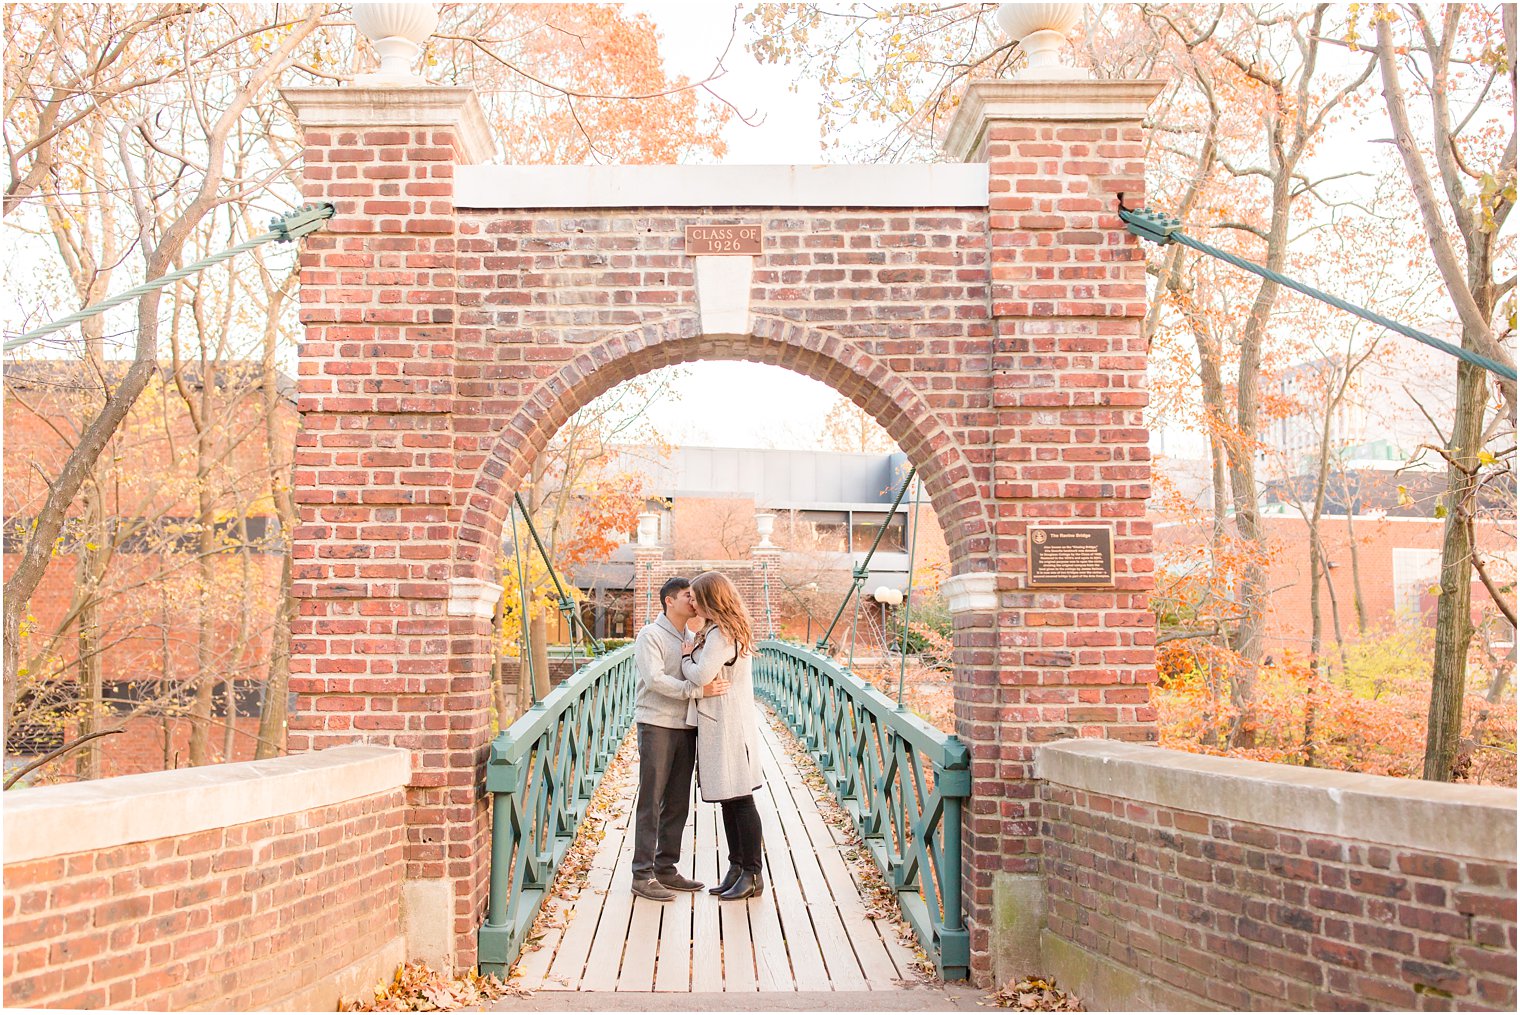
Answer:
(734, 870)
(747, 886)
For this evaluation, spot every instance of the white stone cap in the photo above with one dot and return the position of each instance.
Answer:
(1036, 100)
(473, 597)
(46, 821)
(923, 185)
(361, 107)
(974, 592)
(1467, 821)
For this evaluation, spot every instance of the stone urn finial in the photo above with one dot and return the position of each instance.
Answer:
(765, 524)
(397, 31)
(1040, 30)
(649, 528)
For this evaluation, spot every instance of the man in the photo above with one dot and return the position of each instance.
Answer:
(667, 746)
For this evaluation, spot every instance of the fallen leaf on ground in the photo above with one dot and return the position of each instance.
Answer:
(1036, 993)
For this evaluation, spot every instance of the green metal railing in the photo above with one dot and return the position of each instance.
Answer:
(903, 783)
(542, 773)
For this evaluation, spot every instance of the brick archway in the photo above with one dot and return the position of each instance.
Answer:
(987, 314)
(814, 352)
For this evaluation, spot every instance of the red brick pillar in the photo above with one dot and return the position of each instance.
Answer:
(391, 644)
(766, 558)
(1070, 445)
(648, 572)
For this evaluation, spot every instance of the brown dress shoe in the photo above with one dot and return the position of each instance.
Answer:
(649, 888)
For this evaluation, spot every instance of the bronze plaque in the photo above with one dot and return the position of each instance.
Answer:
(740, 239)
(1071, 556)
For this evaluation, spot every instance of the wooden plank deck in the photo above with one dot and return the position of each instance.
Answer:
(809, 932)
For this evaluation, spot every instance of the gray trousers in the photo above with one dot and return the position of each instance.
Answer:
(666, 760)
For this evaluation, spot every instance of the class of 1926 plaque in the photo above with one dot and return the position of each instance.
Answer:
(735, 239)
(1071, 556)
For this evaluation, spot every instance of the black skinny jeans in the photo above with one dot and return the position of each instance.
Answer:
(741, 827)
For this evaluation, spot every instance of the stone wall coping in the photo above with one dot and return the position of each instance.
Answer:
(360, 106)
(1457, 820)
(45, 821)
(1031, 101)
(923, 185)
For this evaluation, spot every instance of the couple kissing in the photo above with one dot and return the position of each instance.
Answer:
(695, 711)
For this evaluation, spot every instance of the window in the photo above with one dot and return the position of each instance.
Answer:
(865, 527)
(1414, 570)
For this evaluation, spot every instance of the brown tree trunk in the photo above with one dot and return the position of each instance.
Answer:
(1454, 628)
(538, 644)
(1356, 567)
(272, 716)
(200, 706)
(88, 580)
(229, 732)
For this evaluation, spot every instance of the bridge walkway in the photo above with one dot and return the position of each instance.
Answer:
(812, 931)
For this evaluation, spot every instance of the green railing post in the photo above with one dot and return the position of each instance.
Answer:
(953, 781)
(495, 937)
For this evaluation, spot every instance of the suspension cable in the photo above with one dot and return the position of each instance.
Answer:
(862, 570)
(648, 591)
(526, 651)
(902, 645)
(765, 586)
(566, 604)
(285, 229)
(1162, 230)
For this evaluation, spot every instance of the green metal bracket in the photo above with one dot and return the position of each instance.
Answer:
(1150, 225)
(297, 223)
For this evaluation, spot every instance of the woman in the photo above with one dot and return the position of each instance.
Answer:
(728, 751)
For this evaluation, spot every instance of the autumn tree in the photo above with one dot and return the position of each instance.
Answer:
(133, 131)
(584, 495)
(713, 528)
(848, 427)
(1462, 178)
(74, 76)
(1237, 153)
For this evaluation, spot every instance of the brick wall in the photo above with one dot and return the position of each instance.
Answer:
(653, 572)
(1289, 622)
(1177, 881)
(249, 887)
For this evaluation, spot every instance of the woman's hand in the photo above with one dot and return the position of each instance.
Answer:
(717, 686)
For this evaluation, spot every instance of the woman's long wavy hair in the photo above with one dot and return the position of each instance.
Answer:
(718, 598)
